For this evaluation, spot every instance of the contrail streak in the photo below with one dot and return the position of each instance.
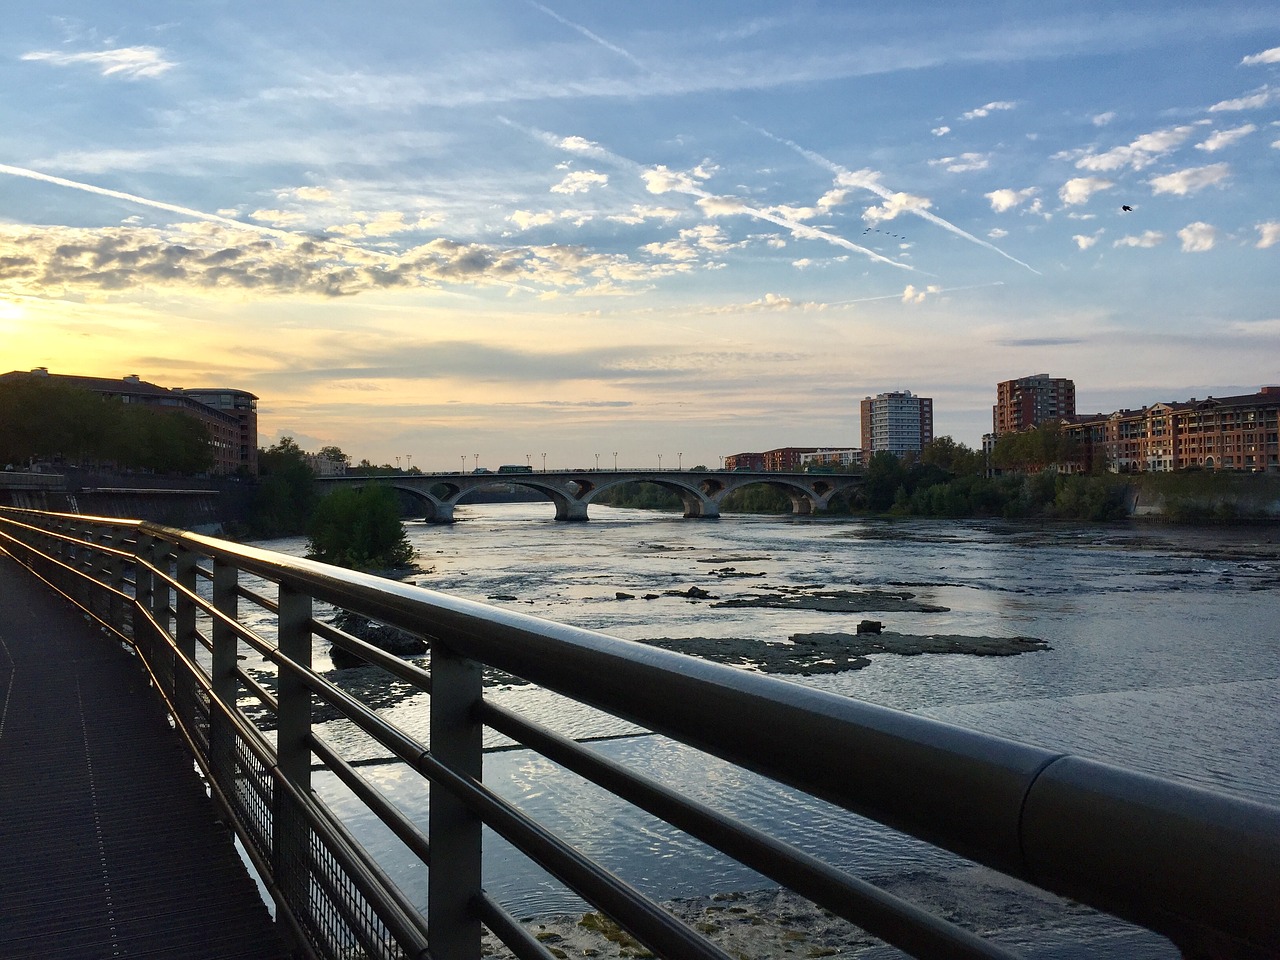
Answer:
(144, 201)
(796, 227)
(595, 38)
(849, 178)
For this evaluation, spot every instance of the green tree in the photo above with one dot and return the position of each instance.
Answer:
(885, 474)
(286, 492)
(359, 528)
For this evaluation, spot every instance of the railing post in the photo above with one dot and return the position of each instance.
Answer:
(159, 556)
(290, 832)
(222, 678)
(454, 879)
(143, 587)
(184, 571)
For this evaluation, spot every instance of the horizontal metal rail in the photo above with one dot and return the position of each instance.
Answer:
(1199, 867)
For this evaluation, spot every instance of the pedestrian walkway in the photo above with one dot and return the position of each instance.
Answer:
(109, 844)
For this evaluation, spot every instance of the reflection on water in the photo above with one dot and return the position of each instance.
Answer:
(1164, 656)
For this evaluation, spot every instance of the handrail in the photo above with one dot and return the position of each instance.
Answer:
(1197, 866)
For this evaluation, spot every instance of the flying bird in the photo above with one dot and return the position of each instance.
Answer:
(1125, 208)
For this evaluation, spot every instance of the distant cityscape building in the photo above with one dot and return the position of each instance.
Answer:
(850, 457)
(1217, 433)
(229, 423)
(1023, 403)
(323, 466)
(244, 406)
(779, 460)
(896, 423)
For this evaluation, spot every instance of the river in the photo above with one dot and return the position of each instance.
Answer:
(1164, 656)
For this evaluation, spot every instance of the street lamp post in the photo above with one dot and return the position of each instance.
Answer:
(464, 464)
(408, 461)
(679, 461)
(722, 463)
(528, 459)
(544, 463)
(615, 461)
(477, 460)
(597, 463)
(397, 463)
(659, 463)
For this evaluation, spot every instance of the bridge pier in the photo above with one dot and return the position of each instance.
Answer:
(441, 513)
(570, 509)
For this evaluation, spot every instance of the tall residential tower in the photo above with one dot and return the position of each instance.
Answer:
(1023, 403)
(897, 423)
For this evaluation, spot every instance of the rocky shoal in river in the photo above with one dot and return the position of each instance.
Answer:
(812, 653)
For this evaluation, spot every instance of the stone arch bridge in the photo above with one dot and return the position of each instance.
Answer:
(572, 491)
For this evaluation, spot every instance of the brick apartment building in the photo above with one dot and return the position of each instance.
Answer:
(229, 415)
(1216, 433)
(1023, 403)
(897, 423)
(779, 460)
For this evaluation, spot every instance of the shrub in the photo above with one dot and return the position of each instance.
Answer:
(359, 528)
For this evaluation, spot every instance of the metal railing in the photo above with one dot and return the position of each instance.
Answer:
(1198, 867)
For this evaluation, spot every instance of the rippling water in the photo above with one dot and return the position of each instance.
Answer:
(1164, 656)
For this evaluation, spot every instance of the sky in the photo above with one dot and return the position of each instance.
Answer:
(501, 229)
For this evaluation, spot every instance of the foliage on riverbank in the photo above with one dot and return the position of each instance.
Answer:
(359, 528)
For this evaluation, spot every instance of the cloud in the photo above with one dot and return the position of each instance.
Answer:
(1148, 239)
(1197, 237)
(1006, 199)
(894, 204)
(315, 194)
(1252, 101)
(912, 295)
(1079, 189)
(995, 233)
(1040, 342)
(1224, 138)
(1191, 180)
(940, 131)
(131, 63)
(639, 214)
(1085, 241)
(661, 180)
(1268, 234)
(279, 218)
(1138, 154)
(526, 219)
(963, 163)
(1102, 119)
(987, 108)
(1266, 56)
(580, 181)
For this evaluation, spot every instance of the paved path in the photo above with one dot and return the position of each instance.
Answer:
(109, 844)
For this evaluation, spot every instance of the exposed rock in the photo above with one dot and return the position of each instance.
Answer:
(624, 596)
(870, 626)
(390, 639)
(693, 593)
(838, 601)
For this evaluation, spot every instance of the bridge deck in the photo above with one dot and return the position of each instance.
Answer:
(109, 845)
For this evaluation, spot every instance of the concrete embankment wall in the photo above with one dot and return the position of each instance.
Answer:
(1190, 496)
(202, 505)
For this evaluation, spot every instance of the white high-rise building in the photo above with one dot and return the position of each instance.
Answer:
(897, 423)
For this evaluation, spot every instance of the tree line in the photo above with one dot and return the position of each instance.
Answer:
(47, 421)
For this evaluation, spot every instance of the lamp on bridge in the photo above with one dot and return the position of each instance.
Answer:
(615, 461)
(477, 456)
(597, 463)
(659, 462)
(679, 461)
(544, 463)
(464, 464)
